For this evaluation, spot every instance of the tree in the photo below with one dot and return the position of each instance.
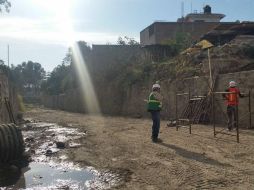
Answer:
(126, 41)
(3, 68)
(28, 76)
(120, 41)
(60, 79)
(33, 73)
(181, 41)
(63, 77)
(67, 60)
(6, 4)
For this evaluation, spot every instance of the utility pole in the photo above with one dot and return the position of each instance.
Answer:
(210, 69)
(8, 74)
(8, 55)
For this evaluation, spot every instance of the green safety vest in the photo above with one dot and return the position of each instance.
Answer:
(153, 104)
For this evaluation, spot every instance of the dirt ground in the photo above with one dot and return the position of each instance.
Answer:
(181, 161)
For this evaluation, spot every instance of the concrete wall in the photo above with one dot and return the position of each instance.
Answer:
(198, 17)
(131, 102)
(106, 56)
(147, 37)
(167, 30)
(198, 86)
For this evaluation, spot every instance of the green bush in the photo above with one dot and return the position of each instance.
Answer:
(21, 103)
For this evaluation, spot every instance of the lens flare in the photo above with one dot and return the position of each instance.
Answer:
(88, 92)
(60, 10)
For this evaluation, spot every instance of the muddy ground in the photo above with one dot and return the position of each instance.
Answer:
(181, 161)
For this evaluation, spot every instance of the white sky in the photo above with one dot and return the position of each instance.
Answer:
(42, 30)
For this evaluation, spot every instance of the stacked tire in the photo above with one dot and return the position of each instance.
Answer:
(11, 143)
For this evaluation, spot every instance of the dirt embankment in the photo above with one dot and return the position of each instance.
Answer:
(182, 161)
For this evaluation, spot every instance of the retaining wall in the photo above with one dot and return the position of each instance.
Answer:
(131, 101)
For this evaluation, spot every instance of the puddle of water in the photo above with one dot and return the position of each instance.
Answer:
(40, 176)
(46, 176)
(55, 172)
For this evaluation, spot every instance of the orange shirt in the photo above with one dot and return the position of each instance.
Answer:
(233, 98)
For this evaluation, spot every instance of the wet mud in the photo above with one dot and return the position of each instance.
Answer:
(48, 167)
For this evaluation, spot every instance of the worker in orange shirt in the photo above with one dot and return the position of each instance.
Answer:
(232, 103)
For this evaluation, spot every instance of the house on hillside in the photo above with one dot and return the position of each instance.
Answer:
(195, 24)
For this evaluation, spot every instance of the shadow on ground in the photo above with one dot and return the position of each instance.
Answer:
(195, 156)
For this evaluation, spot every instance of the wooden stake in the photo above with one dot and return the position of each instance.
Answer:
(210, 69)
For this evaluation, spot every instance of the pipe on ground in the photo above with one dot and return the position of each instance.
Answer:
(11, 143)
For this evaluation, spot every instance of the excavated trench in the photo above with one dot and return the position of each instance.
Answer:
(44, 164)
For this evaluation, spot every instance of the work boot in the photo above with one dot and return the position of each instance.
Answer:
(156, 140)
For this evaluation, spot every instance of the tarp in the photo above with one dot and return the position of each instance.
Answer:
(204, 44)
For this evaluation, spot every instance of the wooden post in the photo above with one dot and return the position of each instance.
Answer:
(190, 120)
(250, 109)
(237, 125)
(210, 69)
(176, 104)
(213, 109)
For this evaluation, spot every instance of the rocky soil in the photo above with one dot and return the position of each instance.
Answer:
(181, 161)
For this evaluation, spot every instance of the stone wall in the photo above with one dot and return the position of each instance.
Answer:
(198, 87)
(131, 101)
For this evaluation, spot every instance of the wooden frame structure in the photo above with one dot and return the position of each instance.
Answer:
(182, 119)
(187, 122)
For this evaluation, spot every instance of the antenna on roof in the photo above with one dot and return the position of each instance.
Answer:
(182, 9)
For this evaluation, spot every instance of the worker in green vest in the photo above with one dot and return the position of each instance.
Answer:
(154, 107)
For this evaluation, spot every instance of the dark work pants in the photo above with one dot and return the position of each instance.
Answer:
(156, 124)
(232, 115)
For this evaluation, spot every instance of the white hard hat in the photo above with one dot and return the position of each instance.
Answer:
(156, 86)
(232, 84)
